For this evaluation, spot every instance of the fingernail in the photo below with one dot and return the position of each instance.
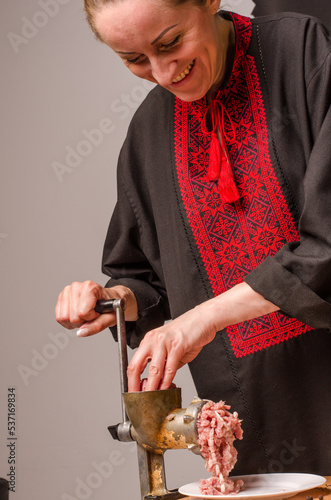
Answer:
(83, 332)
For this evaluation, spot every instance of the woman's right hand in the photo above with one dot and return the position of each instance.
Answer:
(76, 303)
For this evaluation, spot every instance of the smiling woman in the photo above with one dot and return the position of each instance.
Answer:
(181, 48)
(223, 219)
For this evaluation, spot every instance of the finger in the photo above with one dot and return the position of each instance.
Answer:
(170, 369)
(58, 315)
(73, 303)
(136, 367)
(156, 368)
(102, 322)
(89, 293)
(82, 300)
(63, 309)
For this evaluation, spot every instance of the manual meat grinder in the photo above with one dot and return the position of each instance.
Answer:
(154, 419)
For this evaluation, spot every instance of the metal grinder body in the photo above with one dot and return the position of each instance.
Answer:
(154, 419)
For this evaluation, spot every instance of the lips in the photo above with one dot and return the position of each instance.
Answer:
(184, 73)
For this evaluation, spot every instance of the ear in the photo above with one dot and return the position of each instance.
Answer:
(213, 6)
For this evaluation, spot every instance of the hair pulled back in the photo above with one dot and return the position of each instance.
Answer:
(93, 6)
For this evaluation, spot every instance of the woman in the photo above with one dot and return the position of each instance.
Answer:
(223, 219)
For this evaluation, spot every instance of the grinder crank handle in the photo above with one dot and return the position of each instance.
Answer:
(118, 306)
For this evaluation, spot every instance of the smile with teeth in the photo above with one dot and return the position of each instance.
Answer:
(184, 73)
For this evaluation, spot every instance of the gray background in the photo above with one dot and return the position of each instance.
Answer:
(59, 85)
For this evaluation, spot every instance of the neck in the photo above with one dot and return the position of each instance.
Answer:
(227, 48)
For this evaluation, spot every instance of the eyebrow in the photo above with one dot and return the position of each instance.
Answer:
(120, 52)
(163, 33)
(153, 42)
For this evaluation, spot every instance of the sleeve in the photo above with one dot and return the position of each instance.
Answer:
(298, 278)
(132, 259)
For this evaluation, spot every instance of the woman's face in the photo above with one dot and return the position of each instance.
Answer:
(183, 49)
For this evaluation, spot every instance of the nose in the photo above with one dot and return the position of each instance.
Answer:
(163, 70)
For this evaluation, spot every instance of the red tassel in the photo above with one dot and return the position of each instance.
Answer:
(215, 159)
(226, 184)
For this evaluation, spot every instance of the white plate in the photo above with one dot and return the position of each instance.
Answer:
(263, 486)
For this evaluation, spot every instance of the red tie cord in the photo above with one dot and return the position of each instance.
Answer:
(215, 158)
(219, 161)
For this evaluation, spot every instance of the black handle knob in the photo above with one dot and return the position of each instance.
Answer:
(113, 429)
(107, 306)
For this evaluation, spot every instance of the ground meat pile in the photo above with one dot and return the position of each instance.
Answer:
(217, 429)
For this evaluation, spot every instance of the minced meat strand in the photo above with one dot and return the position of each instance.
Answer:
(218, 428)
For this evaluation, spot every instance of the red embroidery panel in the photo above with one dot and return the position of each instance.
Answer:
(234, 238)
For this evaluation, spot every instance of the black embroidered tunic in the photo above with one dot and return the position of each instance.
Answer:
(174, 243)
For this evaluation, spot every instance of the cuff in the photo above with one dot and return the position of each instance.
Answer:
(276, 284)
(152, 310)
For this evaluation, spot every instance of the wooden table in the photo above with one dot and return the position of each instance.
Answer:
(325, 491)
